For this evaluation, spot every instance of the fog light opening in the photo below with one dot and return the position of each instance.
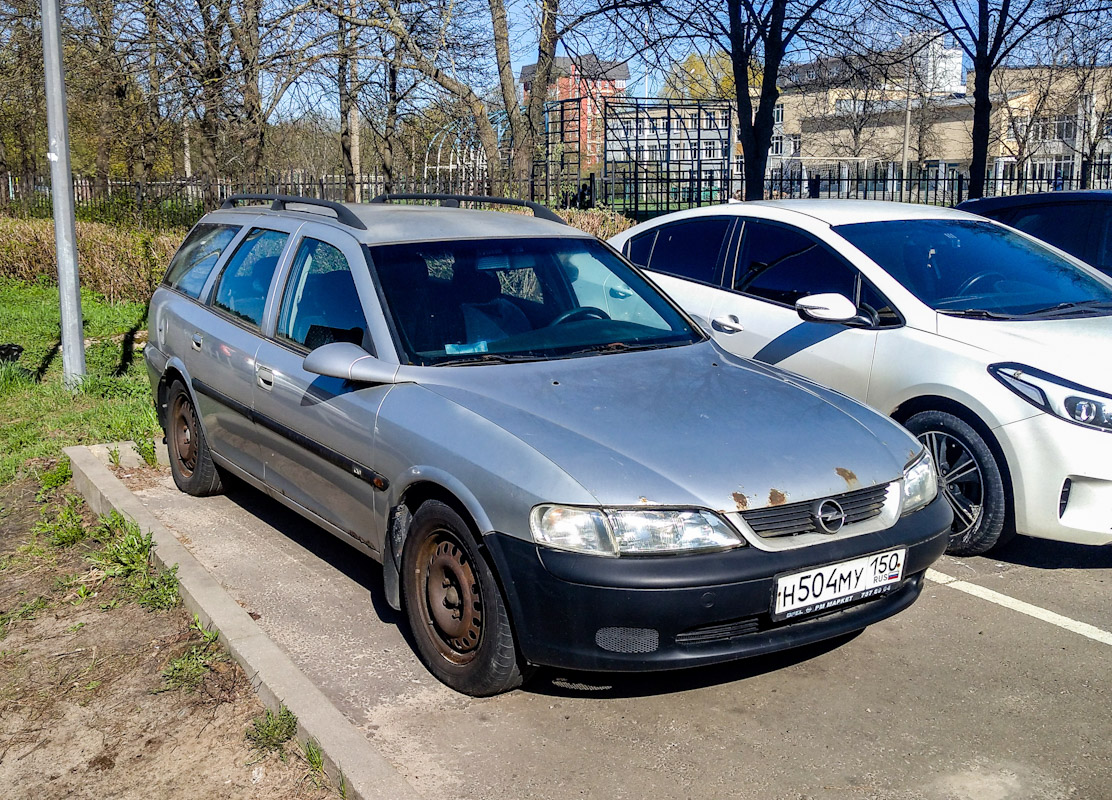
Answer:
(1064, 498)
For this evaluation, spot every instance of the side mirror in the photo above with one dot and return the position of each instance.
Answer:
(832, 307)
(349, 362)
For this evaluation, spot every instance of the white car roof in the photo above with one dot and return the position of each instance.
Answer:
(831, 211)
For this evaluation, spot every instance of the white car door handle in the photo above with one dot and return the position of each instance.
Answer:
(195, 342)
(265, 377)
(727, 324)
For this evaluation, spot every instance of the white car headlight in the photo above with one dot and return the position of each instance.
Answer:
(1062, 398)
(635, 531)
(920, 483)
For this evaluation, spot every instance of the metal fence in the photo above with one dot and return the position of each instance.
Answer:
(634, 189)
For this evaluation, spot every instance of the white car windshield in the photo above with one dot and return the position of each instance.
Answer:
(972, 268)
(476, 301)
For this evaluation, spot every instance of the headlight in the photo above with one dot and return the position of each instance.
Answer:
(1070, 401)
(920, 483)
(613, 532)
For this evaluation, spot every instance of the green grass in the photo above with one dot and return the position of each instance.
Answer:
(271, 731)
(63, 525)
(126, 555)
(39, 415)
(26, 611)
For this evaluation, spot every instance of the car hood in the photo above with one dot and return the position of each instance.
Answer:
(1070, 348)
(684, 426)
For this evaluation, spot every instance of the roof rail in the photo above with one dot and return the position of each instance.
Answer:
(453, 201)
(278, 202)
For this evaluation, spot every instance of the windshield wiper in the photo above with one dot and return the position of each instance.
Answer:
(616, 347)
(1069, 308)
(974, 313)
(488, 358)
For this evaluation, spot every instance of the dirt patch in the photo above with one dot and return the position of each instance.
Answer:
(85, 710)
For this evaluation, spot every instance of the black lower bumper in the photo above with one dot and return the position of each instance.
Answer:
(631, 614)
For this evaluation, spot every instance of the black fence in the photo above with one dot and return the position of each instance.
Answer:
(638, 191)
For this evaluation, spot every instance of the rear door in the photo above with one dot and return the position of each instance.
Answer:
(317, 433)
(221, 345)
(687, 258)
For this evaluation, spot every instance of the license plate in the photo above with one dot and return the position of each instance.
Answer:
(835, 585)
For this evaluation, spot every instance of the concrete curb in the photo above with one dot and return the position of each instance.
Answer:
(348, 756)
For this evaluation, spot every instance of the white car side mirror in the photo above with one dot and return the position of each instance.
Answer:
(826, 308)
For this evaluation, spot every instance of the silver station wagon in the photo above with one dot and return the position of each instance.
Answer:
(551, 461)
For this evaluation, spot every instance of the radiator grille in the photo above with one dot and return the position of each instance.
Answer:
(628, 640)
(795, 518)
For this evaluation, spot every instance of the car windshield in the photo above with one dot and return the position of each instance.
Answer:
(973, 268)
(478, 301)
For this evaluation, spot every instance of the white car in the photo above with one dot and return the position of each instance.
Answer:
(990, 346)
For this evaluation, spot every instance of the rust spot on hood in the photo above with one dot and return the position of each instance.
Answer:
(849, 477)
(741, 500)
(777, 498)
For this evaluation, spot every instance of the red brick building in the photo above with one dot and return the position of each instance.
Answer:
(588, 79)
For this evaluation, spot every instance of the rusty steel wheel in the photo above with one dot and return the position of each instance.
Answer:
(190, 462)
(455, 606)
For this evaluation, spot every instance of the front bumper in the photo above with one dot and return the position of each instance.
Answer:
(625, 614)
(1043, 453)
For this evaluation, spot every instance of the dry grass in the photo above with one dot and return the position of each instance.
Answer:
(118, 263)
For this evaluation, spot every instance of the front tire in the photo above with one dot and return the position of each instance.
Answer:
(455, 606)
(190, 459)
(970, 480)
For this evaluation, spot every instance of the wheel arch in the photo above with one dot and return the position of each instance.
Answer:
(909, 408)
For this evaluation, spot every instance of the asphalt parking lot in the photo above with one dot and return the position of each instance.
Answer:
(994, 697)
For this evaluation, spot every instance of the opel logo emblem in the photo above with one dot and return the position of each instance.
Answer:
(828, 516)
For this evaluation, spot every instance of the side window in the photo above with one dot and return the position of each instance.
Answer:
(783, 264)
(1064, 226)
(197, 256)
(242, 286)
(1103, 258)
(640, 248)
(690, 249)
(320, 304)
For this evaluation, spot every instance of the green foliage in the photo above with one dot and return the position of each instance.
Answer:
(271, 731)
(144, 446)
(41, 416)
(126, 557)
(53, 478)
(63, 526)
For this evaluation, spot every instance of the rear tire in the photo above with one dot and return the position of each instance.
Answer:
(455, 606)
(970, 480)
(191, 461)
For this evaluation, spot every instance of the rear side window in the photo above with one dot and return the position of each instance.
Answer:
(242, 286)
(641, 247)
(690, 249)
(197, 256)
(321, 304)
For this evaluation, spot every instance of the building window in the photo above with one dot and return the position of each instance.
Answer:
(640, 126)
(777, 148)
(797, 144)
(709, 122)
(725, 150)
(693, 118)
(710, 149)
(778, 113)
(1054, 129)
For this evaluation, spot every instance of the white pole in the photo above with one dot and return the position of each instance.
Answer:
(61, 182)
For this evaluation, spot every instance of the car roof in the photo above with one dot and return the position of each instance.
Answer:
(391, 223)
(833, 211)
(984, 205)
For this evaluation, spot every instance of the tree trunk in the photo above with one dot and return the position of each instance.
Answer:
(530, 148)
(343, 81)
(982, 126)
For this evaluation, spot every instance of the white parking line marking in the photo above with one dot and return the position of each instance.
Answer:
(1068, 624)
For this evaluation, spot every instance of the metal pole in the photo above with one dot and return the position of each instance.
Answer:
(61, 181)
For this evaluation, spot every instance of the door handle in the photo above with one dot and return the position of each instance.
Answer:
(264, 376)
(196, 341)
(727, 324)
(619, 294)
